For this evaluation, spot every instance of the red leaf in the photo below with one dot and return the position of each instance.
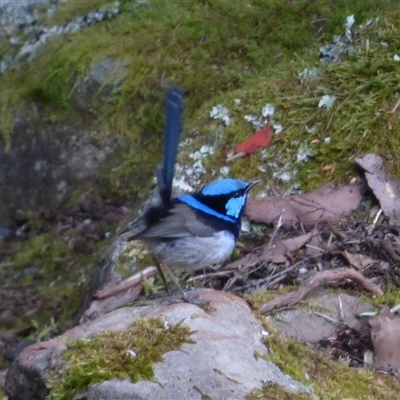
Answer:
(261, 138)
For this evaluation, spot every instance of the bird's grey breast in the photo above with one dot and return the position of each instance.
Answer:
(194, 252)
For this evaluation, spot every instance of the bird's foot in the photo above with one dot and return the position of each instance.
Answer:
(184, 296)
(194, 300)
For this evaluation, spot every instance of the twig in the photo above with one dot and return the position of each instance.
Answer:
(275, 281)
(341, 309)
(395, 309)
(374, 222)
(127, 283)
(236, 156)
(330, 319)
(330, 120)
(284, 272)
(209, 275)
(390, 250)
(396, 106)
(231, 282)
(327, 277)
(276, 229)
(328, 246)
(315, 248)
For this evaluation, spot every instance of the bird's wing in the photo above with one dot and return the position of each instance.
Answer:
(180, 222)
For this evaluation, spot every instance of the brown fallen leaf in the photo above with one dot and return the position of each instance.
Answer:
(359, 261)
(385, 188)
(328, 277)
(278, 254)
(386, 339)
(324, 204)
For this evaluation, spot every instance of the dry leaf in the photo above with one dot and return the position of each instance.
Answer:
(359, 261)
(322, 278)
(278, 254)
(261, 138)
(386, 189)
(386, 339)
(323, 204)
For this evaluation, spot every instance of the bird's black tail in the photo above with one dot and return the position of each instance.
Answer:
(173, 127)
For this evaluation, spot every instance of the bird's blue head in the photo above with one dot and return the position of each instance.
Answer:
(224, 199)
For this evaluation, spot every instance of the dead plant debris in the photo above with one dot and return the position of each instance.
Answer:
(329, 277)
(383, 185)
(386, 340)
(324, 204)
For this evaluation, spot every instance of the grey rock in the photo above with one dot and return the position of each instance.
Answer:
(104, 77)
(15, 15)
(314, 328)
(24, 17)
(220, 364)
(45, 162)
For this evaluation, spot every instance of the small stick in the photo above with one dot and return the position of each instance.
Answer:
(396, 106)
(276, 229)
(327, 277)
(374, 222)
(330, 319)
(341, 309)
(395, 309)
(127, 283)
(390, 250)
(315, 248)
(209, 275)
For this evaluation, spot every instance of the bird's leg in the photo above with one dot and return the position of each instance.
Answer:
(177, 284)
(161, 272)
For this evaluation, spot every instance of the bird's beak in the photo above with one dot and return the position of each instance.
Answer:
(251, 184)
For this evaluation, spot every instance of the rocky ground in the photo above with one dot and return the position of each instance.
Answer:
(306, 307)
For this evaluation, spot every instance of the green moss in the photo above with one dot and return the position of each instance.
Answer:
(359, 122)
(275, 392)
(391, 296)
(216, 50)
(257, 299)
(327, 378)
(126, 355)
(41, 270)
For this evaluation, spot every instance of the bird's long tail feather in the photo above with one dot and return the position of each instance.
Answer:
(173, 127)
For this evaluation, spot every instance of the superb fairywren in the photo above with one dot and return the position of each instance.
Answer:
(195, 230)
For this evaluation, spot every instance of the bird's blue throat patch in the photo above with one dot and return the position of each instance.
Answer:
(196, 204)
(234, 206)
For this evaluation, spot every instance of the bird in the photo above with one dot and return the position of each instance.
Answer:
(190, 231)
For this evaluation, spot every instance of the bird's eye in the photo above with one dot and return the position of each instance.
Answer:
(236, 194)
